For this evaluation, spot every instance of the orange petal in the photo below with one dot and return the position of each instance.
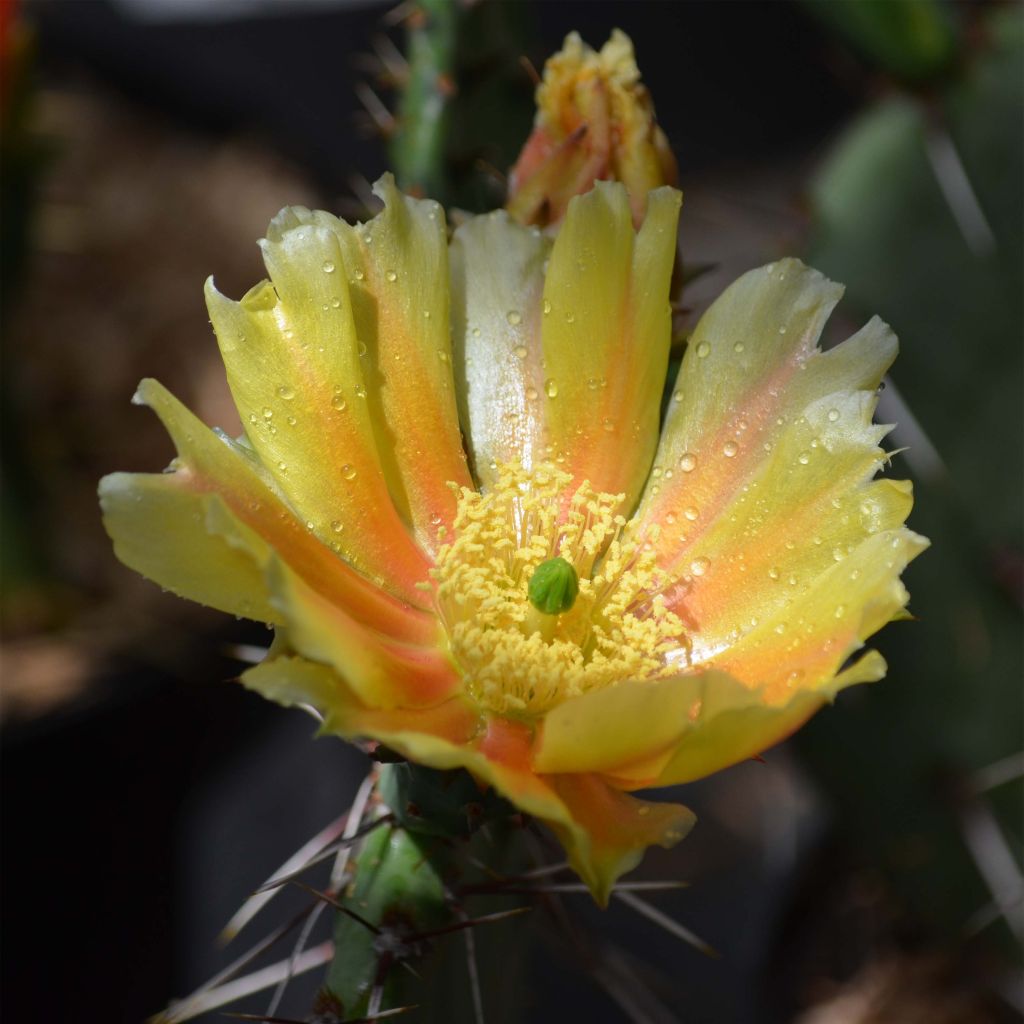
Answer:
(604, 831)
(252, 515)
(606, 336)
(398, 269)
(382, 672)
(293, 362)
(763, 485)
(567, 369)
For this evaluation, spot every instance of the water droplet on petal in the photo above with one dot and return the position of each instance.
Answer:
(729, 449)
(514, 317)
(677, 396)
(286, 392)
(391, 276)
(520, 351)
(691, 513)
(703, 350)
(337, 525)
(328, 267)
(738, 347)
(531, 394)
(348, 472)
(551, 387)
(339, 403)
(699, 566)
(833, 415)
(688, 462)
(803, 458)
(547, 307)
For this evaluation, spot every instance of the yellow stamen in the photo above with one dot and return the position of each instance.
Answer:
(517, 660)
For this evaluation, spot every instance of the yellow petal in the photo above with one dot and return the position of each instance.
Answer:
(382, 672)
(497, 290)
(398, 269)
(604, 831)
(607, 831)
(567, 369)
(293, 365)
(735, 722)
(763, 485)
(159, 525)
(145, 514)
(605, 730)
(606, 333)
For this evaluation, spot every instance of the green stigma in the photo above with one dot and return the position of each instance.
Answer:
(553, 586)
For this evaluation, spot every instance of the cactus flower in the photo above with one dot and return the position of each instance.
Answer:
(478, 543)
(595, 121)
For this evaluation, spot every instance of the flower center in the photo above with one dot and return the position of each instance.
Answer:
(502, 587)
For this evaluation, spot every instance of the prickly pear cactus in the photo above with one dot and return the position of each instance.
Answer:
(397, 942)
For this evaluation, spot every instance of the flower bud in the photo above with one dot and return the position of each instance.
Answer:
(595, 120)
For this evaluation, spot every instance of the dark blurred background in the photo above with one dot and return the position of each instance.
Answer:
(870, 871)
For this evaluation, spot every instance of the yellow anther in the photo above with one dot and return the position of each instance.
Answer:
(516, 660)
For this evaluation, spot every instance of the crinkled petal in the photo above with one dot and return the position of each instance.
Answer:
(762, 488)
(604, 831)
(293, 363)
(207, 529)
(566, 368)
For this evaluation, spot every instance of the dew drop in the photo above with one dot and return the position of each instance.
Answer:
(426, 314)
(609, 424)
(670, 518)
(803, 458)
(773, 573)
(442, 355)
(703, 350)
(677, 396)
(782, 330)
(520, 351)
(729, 449)
(292, 421)
(738, 347)
(699, 566)
(691, 513)
(688, 462)
(348, 472)
(391, 276)
(837, 554)
(570, 318)
(286, 392)
(328, 267)
(360, 391)
(253, 418)
(310, 525)
(514, 317)
(267, 412)
(547, 307)
(339, 403)
(335, 303)
(359, 275)
(833, 415)
(531, 394)
(780, 628)
(337, 525)
(283, 466)
(840, 611)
